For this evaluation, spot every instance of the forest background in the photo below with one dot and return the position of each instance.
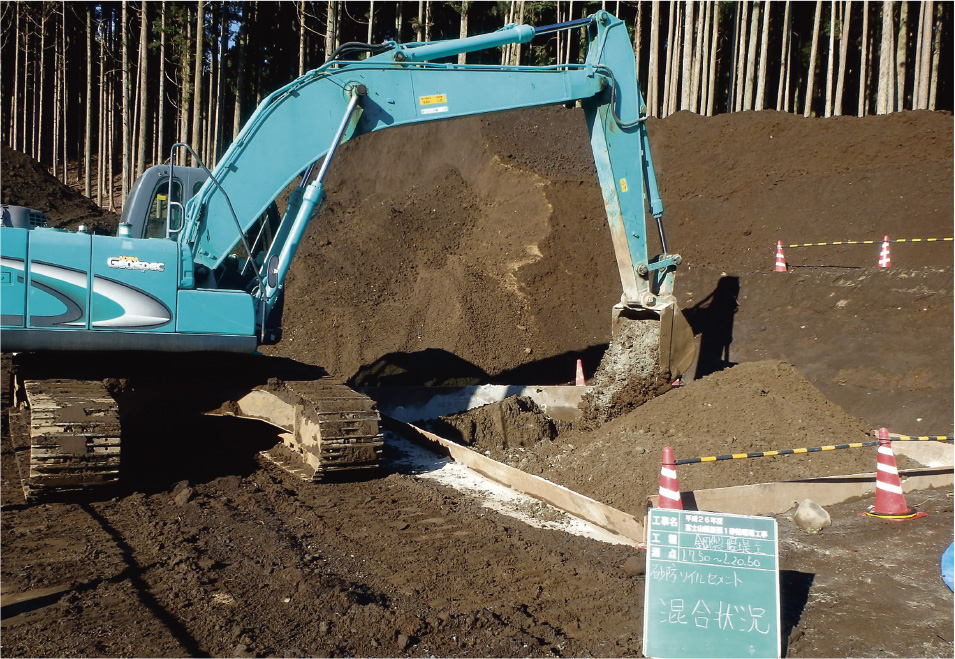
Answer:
(98, 91)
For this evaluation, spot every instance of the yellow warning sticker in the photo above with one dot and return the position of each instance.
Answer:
(623, 185)
(434, 99)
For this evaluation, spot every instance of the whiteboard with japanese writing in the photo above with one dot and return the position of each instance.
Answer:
(712, 586)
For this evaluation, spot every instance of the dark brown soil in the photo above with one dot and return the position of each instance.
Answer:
(477, 250)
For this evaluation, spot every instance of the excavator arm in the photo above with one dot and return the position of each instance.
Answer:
(301, 125)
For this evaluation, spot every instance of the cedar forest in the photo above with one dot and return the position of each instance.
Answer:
(98, 91)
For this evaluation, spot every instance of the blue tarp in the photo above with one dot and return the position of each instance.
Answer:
(948, 567)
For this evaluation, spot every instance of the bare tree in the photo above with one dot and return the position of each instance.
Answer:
(714, 44)
(704, 87)
(782, 94)
(300, 10)
(900, 52)
(740, 70)
(653, 75)
(924, 56)
(331, 28)
(936, 48)
(143, 80)
(698, 50)
(371, 20)
(885, 99)
(811, 74)
(198, 61)
(843, 51)
(159, 151)
(419, 26)
(830, 65)
(241, 45)
(463, 32)
(126, 109)
(637, 36)
(185, 96)
(686, 69)
(763, 60)
(749, 87)
(864, 60)
(87, 133)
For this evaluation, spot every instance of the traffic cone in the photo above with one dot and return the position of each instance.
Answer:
(579, 380)
(669, 484)
(885, 260)
(780, 258)
(889, 499)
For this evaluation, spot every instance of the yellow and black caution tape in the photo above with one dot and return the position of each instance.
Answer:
(922, 438)
(811, 449)
(872, 242)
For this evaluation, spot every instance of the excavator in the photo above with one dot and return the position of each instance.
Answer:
(201, 256)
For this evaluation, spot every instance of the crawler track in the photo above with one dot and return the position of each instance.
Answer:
(66, 435)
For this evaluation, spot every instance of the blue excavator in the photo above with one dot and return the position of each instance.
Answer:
(200, 258)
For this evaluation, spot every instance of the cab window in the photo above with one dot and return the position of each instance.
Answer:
(156, 219)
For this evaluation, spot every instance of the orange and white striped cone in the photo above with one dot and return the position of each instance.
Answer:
(669, 484)
(780, 258)
(579, 379)
(889, 498)
(885, 260)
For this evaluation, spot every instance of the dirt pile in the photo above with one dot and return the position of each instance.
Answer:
(516, 423)
(25, 182)
(757, 406)
(487, 255)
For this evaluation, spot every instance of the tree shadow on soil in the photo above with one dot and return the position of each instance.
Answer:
(133, 573)
(712, 319)
(794, 594)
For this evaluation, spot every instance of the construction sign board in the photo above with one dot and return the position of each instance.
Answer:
(712, 586)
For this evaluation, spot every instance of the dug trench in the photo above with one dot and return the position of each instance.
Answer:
(486, 259)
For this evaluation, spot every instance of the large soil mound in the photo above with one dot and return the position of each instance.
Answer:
(477, 250)
(25, 182)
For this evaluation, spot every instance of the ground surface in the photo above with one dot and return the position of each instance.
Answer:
(440, 260)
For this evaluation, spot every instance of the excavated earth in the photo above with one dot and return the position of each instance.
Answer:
(476, 251)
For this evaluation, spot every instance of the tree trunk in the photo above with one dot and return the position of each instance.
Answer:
(419, 28)
(143, 86)
(241, 45)
(739, 103)
(463, 32)
(900, 54)
(864, 61)
(763, 63)
(843, 51)
(750, 86)
(923, 79)
(637, 40)
(782, 95)
(57, 90)
(653, 75)
(331, 28)
(884, 101)
(371, 20)
(197, 78)
(300, 7)
(830, 58)
(160, 149)
(936, 49)
(686, 69)
(698, 50)
(811, 74)
(506, 48)
(704, 78)
(427, 20)
(41, 89)
(87, 137)
(667, 73)
(101, 117)
(126, 107)
(714, 44)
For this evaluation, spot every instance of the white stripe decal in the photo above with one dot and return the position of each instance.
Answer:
(889, 469)
(669, 473)
(886, 450)
(670, 494)
(894, 489)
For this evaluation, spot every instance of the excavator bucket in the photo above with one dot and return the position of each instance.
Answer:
(667, 328)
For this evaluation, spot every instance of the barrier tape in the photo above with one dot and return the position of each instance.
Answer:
(812, 449)
(871, 242)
